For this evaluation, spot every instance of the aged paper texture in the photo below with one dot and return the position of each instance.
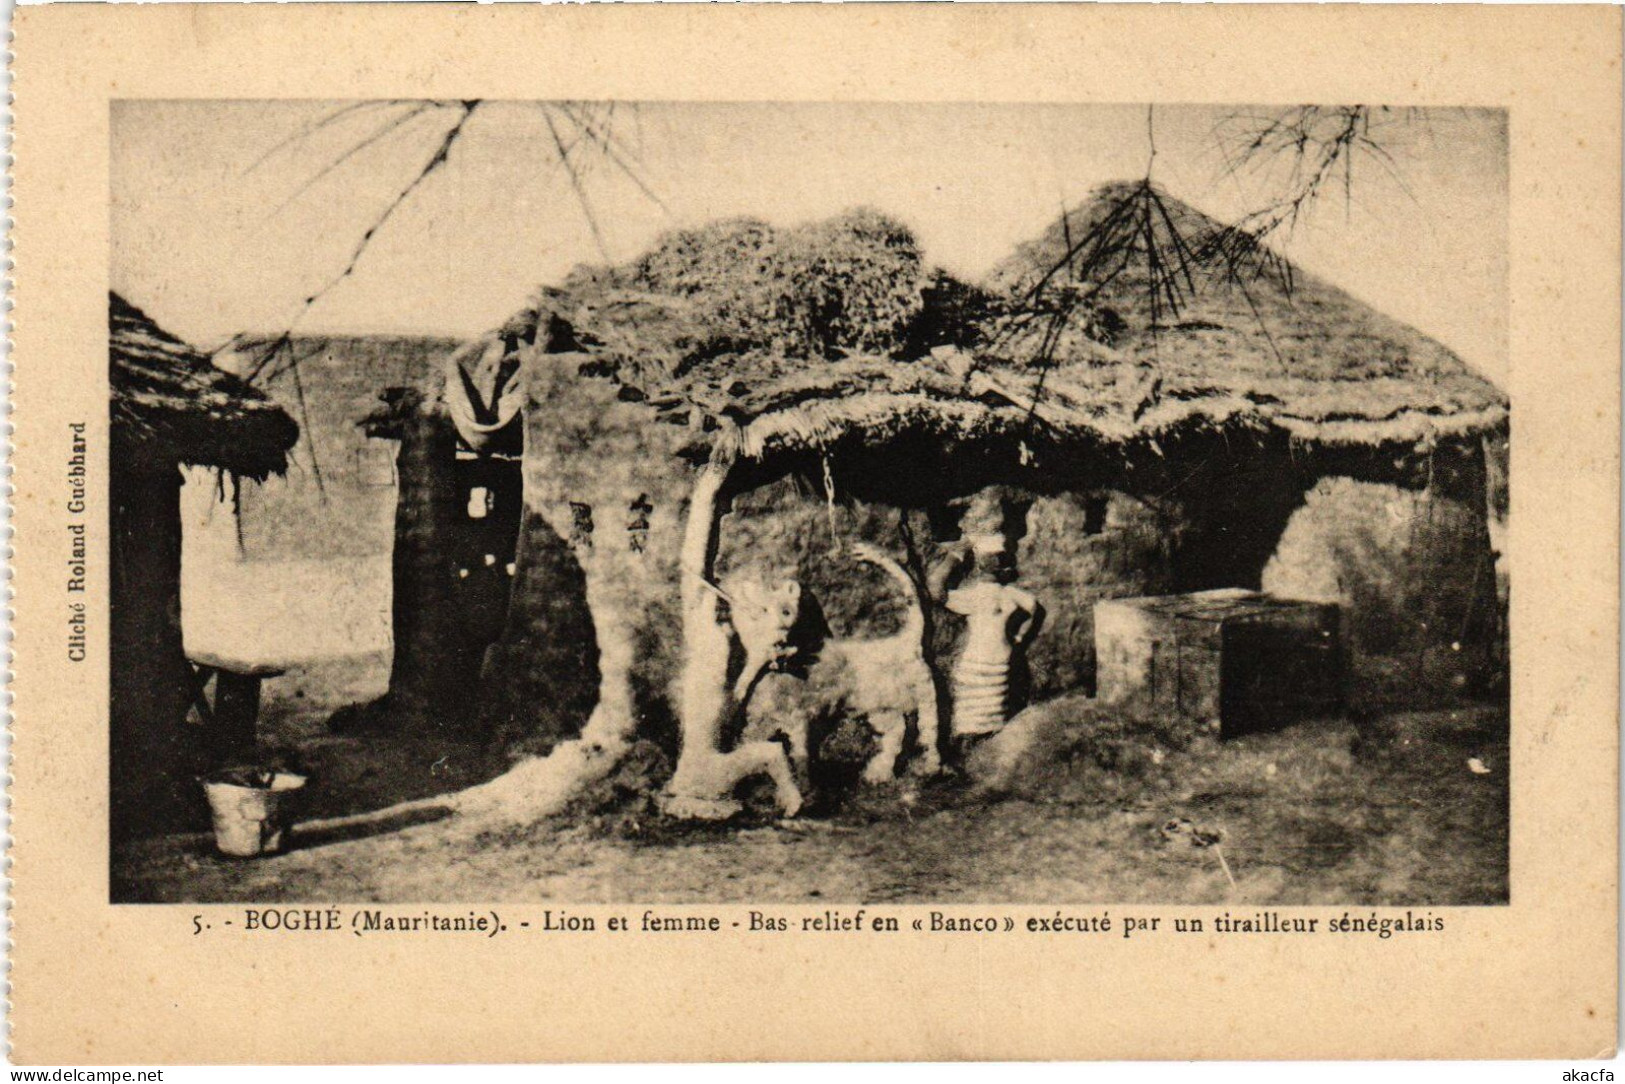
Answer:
(899, 532)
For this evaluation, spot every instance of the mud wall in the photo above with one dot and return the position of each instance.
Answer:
(1076, 549)
(1408, 559)
(347, 513)
(604, 497)
(452, 573)
(1079, 549)
(1414, 575)
(606, 488)
(1072, 550)
(786, 529)
(539, 676)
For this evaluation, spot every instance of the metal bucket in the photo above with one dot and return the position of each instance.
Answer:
(249, 811)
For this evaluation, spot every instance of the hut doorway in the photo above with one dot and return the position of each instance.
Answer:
(457, 520)
(481, 545)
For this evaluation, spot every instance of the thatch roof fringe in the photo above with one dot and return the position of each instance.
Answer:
(171, 404)
(876, 419)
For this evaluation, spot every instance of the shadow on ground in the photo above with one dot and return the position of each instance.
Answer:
(1401, 808)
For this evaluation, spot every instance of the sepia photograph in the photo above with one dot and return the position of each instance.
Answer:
(592, 501)
(790, 533)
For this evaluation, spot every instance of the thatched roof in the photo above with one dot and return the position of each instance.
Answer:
(171, 403)
(1228, 327)
(1133, 318)
(739, 289)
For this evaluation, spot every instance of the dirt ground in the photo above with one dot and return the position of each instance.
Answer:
(1389, 809)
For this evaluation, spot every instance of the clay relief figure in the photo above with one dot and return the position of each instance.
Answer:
(704, 791)
(709, 704)
(885, 681)
(999, 620)
(765, 618)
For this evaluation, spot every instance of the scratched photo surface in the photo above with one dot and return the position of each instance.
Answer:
(612, 501)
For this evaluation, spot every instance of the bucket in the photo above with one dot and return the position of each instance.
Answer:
(246, 804)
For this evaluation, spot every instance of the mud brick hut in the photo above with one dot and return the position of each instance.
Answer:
(170, 407)
(1140, 401)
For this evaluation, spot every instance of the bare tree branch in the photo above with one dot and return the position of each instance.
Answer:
(574, 173)
(592, 125)
(1314, 147)
(435, 161)
(602, 135)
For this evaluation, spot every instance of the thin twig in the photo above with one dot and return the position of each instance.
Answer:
(575, 183)
(1150, 138)
(315, 126)
(1315, 144)
(435, 161)
(310, 432)
(614, 149)
(355, 149)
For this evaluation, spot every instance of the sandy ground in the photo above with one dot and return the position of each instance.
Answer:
(1389, 812)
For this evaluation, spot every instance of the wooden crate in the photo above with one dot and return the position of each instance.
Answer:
(1226, 661)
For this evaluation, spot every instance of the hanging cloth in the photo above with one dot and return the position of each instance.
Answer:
(483, 398)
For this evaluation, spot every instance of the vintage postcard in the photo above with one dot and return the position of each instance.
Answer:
(1016, 524)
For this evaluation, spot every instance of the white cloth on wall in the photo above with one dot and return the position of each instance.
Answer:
(483, 399)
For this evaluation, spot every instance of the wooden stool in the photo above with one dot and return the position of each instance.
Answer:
(233, 717)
